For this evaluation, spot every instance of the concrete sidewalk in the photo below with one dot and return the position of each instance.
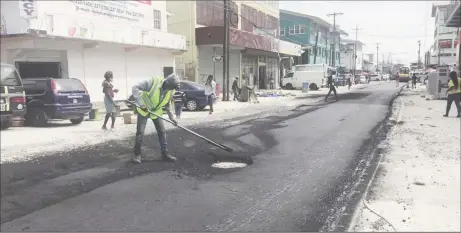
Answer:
(417, 183)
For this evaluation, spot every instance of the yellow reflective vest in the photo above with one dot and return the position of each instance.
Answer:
(152, 99)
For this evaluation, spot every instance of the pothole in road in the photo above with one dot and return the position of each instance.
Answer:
(228, 165)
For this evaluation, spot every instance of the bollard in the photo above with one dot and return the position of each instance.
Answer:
(117, 111)
(94, 114)
(305, 87)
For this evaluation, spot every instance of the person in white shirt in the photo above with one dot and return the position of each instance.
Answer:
(210, 91)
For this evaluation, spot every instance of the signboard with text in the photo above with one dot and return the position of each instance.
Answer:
(28, 9)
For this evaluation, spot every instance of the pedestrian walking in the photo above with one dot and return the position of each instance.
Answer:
(154, 95)
(454, 93)
(332, 88)
(109, 104)
(349, 81)
(397, 80)
(179, 98)
(235, 88)
(271, 82)
(210, 91)
(413, 81)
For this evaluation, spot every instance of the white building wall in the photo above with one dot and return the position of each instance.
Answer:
(90, 64)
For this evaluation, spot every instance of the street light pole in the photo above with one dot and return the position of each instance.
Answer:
(356, 29)
(333, 40)
(377, 56)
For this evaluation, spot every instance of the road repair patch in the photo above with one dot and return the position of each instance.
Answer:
(228, 165)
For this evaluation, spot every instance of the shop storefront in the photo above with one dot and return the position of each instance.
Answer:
(84, 44)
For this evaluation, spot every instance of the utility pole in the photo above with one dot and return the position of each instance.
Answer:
(356, 29)
(225, 75)
(377, 57)
(333, 40)
(316, 41)
(419, 54)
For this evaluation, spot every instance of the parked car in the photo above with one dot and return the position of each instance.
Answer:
(55, 98)
(375, 77)
(195, 96)
(12, 99)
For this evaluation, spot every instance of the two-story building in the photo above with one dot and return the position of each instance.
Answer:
(443, 50)
(84, 39)
(255, 51)
(309, 31)
(347, 55)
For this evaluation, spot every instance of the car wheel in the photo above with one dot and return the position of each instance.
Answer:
(36, 117)
(191, 105)
(76, 121)
(289, 86)
(313, 87)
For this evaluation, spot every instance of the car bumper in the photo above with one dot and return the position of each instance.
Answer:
(67, 111)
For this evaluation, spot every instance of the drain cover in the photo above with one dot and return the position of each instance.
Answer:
(227, 165)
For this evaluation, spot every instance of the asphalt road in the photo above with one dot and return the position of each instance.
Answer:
(310, 166)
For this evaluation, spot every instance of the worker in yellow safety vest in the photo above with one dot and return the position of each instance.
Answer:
(154, 95)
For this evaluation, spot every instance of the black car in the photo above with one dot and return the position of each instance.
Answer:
(195, 96)
(55, 98)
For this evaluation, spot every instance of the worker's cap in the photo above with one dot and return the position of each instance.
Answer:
(236, 77)
(172, 81)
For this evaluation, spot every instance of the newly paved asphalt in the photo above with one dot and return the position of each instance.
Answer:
(309, 168)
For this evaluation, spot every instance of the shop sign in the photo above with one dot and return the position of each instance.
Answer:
(28, 9)
(134, 12)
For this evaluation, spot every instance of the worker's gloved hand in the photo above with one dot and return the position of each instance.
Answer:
(174, 121)
(143, 107)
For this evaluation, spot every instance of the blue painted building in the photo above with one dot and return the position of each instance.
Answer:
(302, 29)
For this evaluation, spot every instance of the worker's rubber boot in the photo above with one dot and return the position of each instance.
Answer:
(136, 159)
(166, 156)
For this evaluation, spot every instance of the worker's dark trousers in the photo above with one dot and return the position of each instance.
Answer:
(332, 89)
(236, 94)
(140, 128)
(454, 98)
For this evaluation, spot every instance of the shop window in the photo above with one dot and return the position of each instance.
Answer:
(302, 29)
(291, 29)
(157, 19)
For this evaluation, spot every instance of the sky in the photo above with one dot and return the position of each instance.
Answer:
(395, 25)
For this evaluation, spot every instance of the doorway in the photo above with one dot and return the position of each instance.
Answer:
(167, 70)
(39, 69)
(262, 77)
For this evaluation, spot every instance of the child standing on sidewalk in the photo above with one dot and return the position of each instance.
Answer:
(179, 98)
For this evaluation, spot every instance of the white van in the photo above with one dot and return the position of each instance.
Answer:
(314, 74)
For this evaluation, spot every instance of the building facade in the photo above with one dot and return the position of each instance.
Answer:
(347, 55)
(306, 30)
(84, 39)
(255, 51)
(454, 21)
(443, 50)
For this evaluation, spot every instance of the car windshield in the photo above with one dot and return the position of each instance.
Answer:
(69, 84)
(9, 76)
